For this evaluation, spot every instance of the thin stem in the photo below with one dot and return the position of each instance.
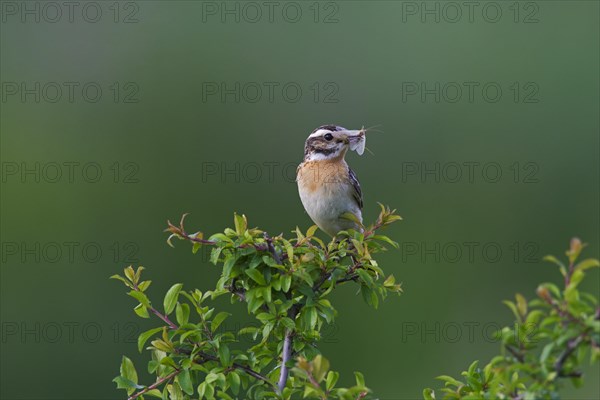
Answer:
(518, 355)
(244, 368)
(248, 370)
(271, 248)
(347, 278)
(164, 318)
(154, 385)
(571, 346)
(286, 354)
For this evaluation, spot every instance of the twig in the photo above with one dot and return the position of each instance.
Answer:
(241, 293)
(571, 346)
(155, 384)
(164, 318)
(244, 368)
(519, 356)
(271, 248)
(286, 354)
(347, 278)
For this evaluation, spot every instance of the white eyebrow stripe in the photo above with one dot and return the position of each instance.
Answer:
(320, 132)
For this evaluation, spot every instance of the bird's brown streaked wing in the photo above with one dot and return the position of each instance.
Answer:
(357, 192)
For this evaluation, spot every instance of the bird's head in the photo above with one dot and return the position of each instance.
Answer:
(331, 141)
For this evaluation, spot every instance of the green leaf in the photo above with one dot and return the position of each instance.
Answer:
(360, 379)
(129, 273)
(546, 352)
(513, 308)
(449, 380)
(141, 311)
(256, 276)
(139, 296)
(240, 224)
(128, 372)
(587, 264)
(289, 250)
(217, 320)
(211, 377)
(171, 297)
(521, 304)
(144, 336)
(124, 383)
(385, 239)
(214, 255)
(365, 277)
(332, 378)
(234, 381)
(228, 266)
(206, 390)
(311, 231)
(428, 394)
(351, 217)
(119, 277)
(185, 382)
(320, 368)
(224, 355)
(265, 317)
(305, 276)
(182, 313)
(175, 392)
(286, 282)
(310, 316)
(554, 260)
(195, 247)
(154, 393)
(162, 345)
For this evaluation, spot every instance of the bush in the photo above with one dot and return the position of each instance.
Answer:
(286, 284)
(551, 338)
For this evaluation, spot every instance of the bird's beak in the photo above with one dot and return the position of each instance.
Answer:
(356, 139)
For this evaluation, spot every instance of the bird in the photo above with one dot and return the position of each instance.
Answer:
(328, 188)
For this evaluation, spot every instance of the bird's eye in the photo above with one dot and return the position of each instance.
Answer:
(328, 136)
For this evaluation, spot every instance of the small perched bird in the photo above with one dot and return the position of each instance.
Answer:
(328, 187)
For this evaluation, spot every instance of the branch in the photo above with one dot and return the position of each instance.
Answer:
(271, 248)
(248, 370)
(518, 355)
(286, 354)
(347, 278)
(571, 346)
(156, 312)
(154, 385)
(244, 368)
(164, 318)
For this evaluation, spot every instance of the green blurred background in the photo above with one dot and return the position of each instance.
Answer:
(168, 144)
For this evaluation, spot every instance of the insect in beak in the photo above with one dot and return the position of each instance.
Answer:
(357, 140)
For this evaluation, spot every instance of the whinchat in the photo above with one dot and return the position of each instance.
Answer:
(328, 187)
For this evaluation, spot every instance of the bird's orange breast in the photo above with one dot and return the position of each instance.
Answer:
(315, 175)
